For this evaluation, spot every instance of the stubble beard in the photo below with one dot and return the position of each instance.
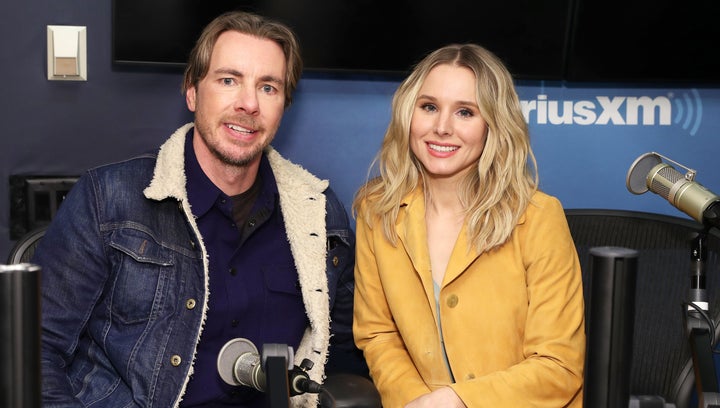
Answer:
(225, 156)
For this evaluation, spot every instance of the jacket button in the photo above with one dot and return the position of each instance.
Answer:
(452, 300)
(190, 304)
(335, 260)
(175, 360)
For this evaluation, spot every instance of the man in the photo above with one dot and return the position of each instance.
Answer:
(154, 263)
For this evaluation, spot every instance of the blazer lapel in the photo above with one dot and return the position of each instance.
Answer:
(412, 234)
(463, 255)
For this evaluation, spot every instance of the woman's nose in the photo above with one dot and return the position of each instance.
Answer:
(443, 126)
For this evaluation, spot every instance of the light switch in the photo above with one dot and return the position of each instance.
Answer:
(67, 53)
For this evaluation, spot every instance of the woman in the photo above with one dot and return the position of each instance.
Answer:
(468, 287)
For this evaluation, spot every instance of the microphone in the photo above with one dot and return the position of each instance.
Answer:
(649, 172)
(239, 363)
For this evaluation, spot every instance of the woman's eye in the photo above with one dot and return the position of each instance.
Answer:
(428, 107)
(466, 113)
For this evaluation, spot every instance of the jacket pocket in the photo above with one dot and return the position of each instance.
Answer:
(142, 270)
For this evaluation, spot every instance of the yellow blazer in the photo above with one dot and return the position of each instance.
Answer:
(512, 319)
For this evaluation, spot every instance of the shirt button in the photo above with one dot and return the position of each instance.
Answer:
(251, 223)
(452, 300)
(335, 260)
(233, 271)
(190, 304)
(470, 376)
(234, 323)
(175, 360)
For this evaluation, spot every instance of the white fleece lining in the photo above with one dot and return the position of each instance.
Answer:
(303, 205)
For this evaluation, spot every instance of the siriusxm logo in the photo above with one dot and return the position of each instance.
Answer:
(617, 110)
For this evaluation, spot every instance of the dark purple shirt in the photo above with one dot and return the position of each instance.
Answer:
(254, 288)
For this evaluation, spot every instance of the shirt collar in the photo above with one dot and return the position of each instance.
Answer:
(269, 195)
(203, 194)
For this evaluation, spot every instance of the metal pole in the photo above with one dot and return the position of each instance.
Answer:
(610, 327)
(20, 336)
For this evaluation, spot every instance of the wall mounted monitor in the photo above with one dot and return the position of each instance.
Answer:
(366, 36)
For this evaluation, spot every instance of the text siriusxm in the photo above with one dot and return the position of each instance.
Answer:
(603, 110)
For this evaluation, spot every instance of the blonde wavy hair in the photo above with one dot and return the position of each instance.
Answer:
(497, 193)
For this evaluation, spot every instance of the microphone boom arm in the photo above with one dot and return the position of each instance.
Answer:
(649, 173)
(700, 327)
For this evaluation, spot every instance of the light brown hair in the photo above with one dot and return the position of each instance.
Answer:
(251, 24)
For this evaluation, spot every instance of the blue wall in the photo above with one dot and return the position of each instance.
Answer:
(334, 127)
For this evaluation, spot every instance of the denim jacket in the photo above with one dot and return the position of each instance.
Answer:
(125, 280)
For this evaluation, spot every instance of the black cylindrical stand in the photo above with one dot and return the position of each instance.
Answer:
(276, 361)
(610, 327)
(20, 336)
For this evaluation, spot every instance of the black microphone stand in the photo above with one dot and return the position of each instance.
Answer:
(700, 328)
(275, 364)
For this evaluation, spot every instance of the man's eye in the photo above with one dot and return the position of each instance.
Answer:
(227, 81)
(268, 89)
